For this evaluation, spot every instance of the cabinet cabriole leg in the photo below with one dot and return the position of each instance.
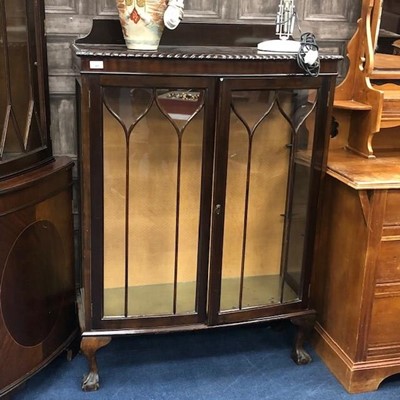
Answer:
(305, 325)
(89, 347)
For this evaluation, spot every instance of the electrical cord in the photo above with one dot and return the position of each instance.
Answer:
(308, 56)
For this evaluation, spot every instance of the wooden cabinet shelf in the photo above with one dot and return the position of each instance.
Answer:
(367, 102)
(351, 105)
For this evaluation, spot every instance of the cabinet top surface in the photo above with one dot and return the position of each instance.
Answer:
(218, 50)
(194, 60)
(362, 173)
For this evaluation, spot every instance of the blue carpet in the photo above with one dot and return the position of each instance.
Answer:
(230, 364)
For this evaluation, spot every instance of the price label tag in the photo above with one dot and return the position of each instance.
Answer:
(96, 65)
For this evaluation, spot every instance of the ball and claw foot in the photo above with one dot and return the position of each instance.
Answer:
(301, 357)
(89, 346)
(304, 326)
(90, 382)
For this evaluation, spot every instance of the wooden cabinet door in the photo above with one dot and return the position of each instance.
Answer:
(148, 211)
(151, 148)
(268, 164)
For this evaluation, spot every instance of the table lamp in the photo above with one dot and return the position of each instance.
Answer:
(285, 20)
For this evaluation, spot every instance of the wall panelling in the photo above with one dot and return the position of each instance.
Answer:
(62, 6)
(333, 22)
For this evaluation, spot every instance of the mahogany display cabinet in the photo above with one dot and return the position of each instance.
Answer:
(38, 316)
(201, 165)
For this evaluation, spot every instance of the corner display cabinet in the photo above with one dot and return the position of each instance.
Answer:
(37, 296)
(201, 168)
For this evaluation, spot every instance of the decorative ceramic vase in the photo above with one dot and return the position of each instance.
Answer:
(142, 22)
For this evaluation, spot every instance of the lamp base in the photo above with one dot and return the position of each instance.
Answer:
(279, 46)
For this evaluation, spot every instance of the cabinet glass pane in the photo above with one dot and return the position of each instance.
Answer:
(153, 142)
(268, 164)
(19, 118)
(304, 123)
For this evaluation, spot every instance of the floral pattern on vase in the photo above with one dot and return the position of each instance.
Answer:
(142, 22)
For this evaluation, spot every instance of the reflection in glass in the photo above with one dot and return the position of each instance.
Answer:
(304, 122)
(19, 117)
(270, 139)
(152, 171)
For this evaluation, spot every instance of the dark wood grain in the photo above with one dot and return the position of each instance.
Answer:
(37, 283)
(219, 73)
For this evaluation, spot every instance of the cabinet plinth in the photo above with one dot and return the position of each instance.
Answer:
(200, 169)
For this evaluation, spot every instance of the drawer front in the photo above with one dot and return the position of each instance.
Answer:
(384, 335)
(388, 261)
(392, 213)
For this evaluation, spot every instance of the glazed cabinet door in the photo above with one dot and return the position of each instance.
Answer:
(268, 165)
(24, 112)
(151, 148)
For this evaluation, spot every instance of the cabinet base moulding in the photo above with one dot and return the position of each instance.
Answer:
(356, 377)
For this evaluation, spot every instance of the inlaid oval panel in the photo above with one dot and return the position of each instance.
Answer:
(31, 288)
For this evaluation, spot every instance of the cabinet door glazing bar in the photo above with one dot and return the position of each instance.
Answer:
(262, 188)
(157, 151)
